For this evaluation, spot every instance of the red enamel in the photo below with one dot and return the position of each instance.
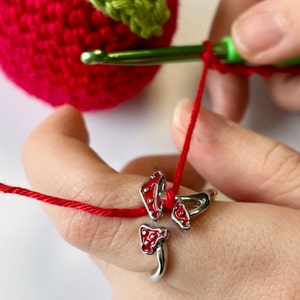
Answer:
(181, 216)
(151, 237)
(150, 194)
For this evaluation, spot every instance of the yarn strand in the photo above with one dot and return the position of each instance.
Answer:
(127, 212)
(210, 61)
(171, 192)
(88, 208)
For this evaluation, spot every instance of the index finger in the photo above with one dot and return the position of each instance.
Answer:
(59, 162)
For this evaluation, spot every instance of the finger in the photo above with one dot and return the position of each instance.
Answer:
(242, 164)
(131, 285)
(268, 32)
(229, 93)
(168, 163)
(227, 12)
(59, 162)
(223, 255)
(75, 171)
(285, 91)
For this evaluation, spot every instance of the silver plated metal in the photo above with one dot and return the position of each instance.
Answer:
(152, 238)
(153, 241)
(181, 215)
(151, 191)
(162, 258)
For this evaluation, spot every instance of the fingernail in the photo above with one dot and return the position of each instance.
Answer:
(209, 128)
(258, 32)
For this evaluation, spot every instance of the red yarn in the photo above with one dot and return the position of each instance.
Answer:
(135, 212)
(210, 61)
(91, 209)
(246, 70)
(207, 58)
(40, 46)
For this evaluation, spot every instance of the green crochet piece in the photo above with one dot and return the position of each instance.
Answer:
(144, 17)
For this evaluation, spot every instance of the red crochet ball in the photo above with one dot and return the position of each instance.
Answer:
(40, 46)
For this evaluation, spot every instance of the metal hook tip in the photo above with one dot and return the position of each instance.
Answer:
(93, 57)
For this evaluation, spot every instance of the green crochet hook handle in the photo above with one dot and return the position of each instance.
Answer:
(225, 50)
(232, 56)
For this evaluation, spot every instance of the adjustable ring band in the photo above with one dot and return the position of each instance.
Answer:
(162, 258)
(152, 241)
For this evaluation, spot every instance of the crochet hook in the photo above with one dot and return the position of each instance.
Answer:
(225, 50)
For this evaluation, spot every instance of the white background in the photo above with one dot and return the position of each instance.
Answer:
(35, 263)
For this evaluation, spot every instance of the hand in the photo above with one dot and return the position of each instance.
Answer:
(233, 251)
(264, 32)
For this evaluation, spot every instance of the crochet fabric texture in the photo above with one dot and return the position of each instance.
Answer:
(41, 42)
(144, 17)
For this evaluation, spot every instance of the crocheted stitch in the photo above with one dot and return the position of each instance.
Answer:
(144, 17)
(40, 46)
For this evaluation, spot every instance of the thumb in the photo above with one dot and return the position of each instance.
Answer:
(268, 32)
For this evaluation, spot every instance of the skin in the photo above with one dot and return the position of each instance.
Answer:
(246, 249)
(229, 93)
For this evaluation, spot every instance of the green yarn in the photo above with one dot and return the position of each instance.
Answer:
(144, 17)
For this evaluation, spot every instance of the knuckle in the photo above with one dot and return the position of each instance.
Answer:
(281, 165)
(79, 230)
(92, 234)
(99, 236)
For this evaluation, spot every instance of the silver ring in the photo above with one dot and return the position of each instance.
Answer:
(162, 258)
(153, 193)
(200, 202)
(152, 241)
